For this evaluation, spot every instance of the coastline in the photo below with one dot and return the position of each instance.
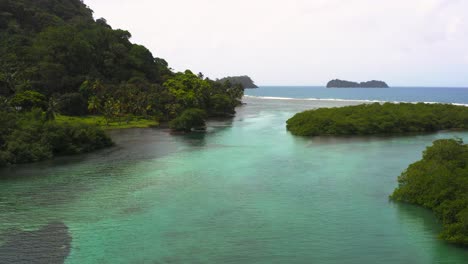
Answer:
(345, 100)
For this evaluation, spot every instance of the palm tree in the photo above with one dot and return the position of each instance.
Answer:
(94, 105)
(52, 109)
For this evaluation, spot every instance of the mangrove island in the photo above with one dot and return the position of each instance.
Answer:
(377, 118)
(439, 182)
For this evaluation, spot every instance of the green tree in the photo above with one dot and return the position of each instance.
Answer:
(27, 100)
(222, 105)
(440, 182)
(189, 119)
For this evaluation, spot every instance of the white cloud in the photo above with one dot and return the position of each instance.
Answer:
(404, 42)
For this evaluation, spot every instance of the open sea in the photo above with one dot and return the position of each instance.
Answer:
(397, 94)
(246, 191)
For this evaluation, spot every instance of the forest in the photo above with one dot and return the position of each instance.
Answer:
(439, 182)
(56, 58)
(377, 118)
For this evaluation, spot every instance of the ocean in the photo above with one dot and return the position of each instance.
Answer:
(397, 94)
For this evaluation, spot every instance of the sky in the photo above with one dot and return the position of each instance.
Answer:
(303, 42)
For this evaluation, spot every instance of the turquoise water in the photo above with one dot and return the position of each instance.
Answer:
(398, 94)
(245, 192)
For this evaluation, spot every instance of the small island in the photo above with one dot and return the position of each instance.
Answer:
(245, 81)
(347, 84)
(377, 118)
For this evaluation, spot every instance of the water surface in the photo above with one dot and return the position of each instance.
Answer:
(245, 192)
(393, 94)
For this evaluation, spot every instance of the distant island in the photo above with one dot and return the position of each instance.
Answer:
(347, 84)
(244, 80)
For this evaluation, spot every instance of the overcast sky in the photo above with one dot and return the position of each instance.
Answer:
(303, 42)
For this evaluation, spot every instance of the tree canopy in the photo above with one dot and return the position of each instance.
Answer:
(370, 119)
(189, 119)
(244, 80)
(31, 136)
(57, 49)
(54, 46)
(440, 182)
(56, 58)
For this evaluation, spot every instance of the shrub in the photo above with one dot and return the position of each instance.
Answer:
(188, 120)
(28, 100)
(29, 137)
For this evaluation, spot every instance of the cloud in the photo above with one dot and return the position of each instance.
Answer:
(302, 41)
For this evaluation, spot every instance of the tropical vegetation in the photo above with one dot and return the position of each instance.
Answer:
(56, 58)
(387, 118)
(439, 182)
(190, 119)
(244, 80)
(32, 136)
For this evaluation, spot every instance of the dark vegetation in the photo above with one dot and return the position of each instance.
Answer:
(56, 58)
(439, 182)
(189, 119)
(370, 119)
(245, 81)
(347, 84)
(32, 136)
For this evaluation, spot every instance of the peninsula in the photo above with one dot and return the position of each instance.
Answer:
(347, 84)
(65, 77)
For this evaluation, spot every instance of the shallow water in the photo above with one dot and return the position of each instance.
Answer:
(245, 192)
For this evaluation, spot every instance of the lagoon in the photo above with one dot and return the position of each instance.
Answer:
(247, 191)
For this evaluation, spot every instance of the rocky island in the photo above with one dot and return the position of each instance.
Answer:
(245, 81)
(347, 84)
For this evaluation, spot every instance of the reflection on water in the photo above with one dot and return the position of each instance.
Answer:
(49, 244)
(246, 191)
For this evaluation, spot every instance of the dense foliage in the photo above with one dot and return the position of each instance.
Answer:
(56, 58)
(440, 182)
(30, 136)
(245, 81)
(54, 46)
(388, 118)
(190, 119)
(347, 84)
(57, 50)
